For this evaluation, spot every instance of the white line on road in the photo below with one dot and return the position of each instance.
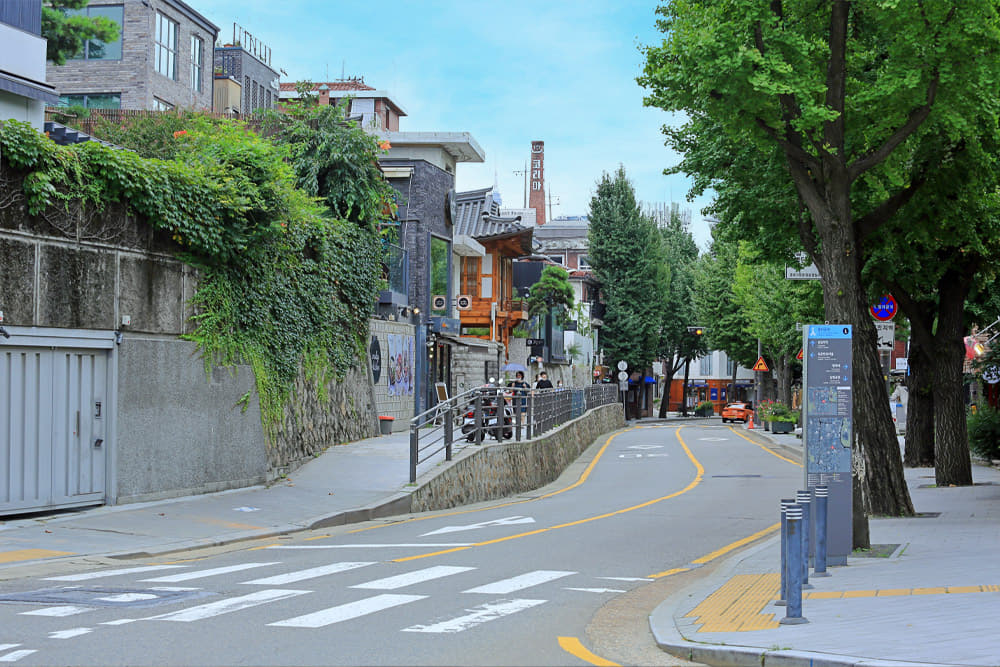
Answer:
(69, 634)
(17, 655)
(228, 605)
(508, 521)
(596, 590)
(627, 578)
(57, 611)
(481, 614)
(415, 577)
(346, 612)
(505, 586)
(311, 573)
(198, 574)
(112, 573)
(120, 621)
(369, 546)
(6, 647)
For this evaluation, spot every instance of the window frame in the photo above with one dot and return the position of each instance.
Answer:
(86, 43)
(162, 105)
(86, 96)
(162, 48)
(197, 64)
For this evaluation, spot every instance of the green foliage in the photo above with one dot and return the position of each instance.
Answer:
(551, 294)
(626, 253)
(284, 285)
(676, 344)
(66, 33)
(984, 432)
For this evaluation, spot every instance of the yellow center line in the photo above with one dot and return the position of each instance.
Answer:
(695, 482)
(573, 646)
(766, 448)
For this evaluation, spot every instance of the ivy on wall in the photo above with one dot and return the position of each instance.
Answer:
(285, 284)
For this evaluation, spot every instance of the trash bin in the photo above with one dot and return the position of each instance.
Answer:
(385, 424)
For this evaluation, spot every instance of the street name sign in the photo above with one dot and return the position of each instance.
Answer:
(809, 272)
(828, 426)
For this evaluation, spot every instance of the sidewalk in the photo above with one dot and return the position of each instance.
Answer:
(933, 599)
(346, 484)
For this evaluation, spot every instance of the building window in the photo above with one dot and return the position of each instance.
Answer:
(730, 367)
(160, 105)
(705, 366)
(165, 47)
(440, 272)
(246, 95)
(558, 259)
(92, 101)
(197, 63)
(470, 275)
(584, 262)
(95, 49)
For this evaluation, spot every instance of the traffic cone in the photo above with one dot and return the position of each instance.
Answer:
(750, 421)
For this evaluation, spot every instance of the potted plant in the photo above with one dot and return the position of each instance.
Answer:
(705, 409)
(763, 413)
(783, 418)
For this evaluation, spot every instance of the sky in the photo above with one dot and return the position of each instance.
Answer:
(506, 72)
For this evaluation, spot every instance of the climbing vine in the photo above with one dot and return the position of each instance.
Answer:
(285, 286)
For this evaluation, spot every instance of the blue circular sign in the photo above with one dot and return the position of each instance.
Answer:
(885, 308)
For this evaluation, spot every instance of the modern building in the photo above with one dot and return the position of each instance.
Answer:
(564, 240)
(373, 109)
(245, 80)
(23, 89)
(710, 378)
(161, 59)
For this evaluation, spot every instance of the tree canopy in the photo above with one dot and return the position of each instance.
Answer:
(66, 29)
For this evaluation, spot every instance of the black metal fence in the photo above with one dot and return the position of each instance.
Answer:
(499, 413)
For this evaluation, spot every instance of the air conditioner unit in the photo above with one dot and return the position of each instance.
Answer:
(464, 302)
(439, 302)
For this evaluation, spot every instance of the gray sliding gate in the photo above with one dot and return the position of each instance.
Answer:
(54, 420)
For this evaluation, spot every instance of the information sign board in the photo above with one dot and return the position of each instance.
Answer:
(828, 431)
(886, 335)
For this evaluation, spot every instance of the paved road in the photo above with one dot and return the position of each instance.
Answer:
(499, 583)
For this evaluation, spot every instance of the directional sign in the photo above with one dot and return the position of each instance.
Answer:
(886, 335)
(509, 521)
(761, 365)
(885, 308)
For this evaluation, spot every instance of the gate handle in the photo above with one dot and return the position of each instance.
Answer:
(98, 442)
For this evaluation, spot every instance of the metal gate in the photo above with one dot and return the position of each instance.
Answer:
(53, 427)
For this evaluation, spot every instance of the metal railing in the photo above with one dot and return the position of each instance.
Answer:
(501, 413)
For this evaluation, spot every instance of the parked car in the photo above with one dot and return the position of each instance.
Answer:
(736, 412)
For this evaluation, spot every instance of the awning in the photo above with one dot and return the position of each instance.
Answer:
(466, 246)
(34, 90)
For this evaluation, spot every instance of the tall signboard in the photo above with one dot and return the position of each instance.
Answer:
(828, 431)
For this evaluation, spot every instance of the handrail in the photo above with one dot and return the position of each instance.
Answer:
(502, 413)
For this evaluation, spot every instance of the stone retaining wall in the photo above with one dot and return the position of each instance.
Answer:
(503, 469)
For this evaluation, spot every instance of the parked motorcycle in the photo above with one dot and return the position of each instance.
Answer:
(489, 421)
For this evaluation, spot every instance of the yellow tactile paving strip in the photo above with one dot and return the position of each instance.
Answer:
(737, 605)
(30, 554)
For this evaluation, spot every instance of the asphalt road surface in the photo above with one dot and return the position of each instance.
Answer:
(562, 576)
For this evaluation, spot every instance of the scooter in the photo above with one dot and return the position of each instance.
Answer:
(489, 419)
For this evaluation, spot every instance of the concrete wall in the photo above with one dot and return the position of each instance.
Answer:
(400, 407)
(469, 360)
(500, 470)
(180, 431)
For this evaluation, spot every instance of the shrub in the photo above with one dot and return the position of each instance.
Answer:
(706, 405)
(984, 432)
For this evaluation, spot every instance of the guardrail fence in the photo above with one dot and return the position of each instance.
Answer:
(501, 413)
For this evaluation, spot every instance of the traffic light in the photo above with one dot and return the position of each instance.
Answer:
(697, 331)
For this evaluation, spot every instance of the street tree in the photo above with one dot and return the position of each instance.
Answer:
(66, 29)
(626, 253)
(843, 90)
(552, 295)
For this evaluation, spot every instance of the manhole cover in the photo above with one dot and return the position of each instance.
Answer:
(104, 597)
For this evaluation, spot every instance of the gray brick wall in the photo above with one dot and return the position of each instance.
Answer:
(252, 74)
(134, 76)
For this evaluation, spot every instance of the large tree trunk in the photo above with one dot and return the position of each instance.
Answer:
(684, 392)
(783, 373)
(952, 460)
(665, 400)
(919, 440)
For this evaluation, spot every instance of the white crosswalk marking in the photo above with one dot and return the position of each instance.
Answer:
(199, 574)
(346, 612)
(477, 616)
(416, 577)
(228, 605)
(67, 610)
(84, 576)
(596, 590)
(14, 656)
(505, 586)
(6, 647)
(69, 634)
(626, 578)
(311, 573)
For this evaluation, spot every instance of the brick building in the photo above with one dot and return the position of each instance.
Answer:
(161, 59)
(245, 80)
(373, 109)
(536, 169)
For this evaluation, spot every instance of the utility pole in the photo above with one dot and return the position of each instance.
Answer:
(550, 203)
(516, 172)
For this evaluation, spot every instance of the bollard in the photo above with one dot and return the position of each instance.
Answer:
(804, 498)
(414, 452)
(822, 495)
(793, 549)
(449, 434)
(783, 592)
(477, 415)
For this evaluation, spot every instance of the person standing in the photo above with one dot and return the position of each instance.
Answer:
(543, 381)
(520, 388)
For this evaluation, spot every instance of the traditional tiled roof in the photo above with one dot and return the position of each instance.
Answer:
(477, 214)
(353, 84)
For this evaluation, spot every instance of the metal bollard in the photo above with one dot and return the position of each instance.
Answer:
(449, 435)
(414, 452)
(804, 500)
(477, 415)
(783, 593)
(822, 496)
(793, 549)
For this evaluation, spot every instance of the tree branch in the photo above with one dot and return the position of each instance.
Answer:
(870, 222)
(836, 76)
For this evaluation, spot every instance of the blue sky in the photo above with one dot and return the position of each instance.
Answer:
(506, 72)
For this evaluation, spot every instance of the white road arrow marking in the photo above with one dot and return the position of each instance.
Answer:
(646, 447)
(713, 439)
(509, 521)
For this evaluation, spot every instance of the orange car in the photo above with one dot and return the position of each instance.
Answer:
(736, 411)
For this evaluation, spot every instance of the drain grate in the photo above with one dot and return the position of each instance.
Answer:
(104, 597)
